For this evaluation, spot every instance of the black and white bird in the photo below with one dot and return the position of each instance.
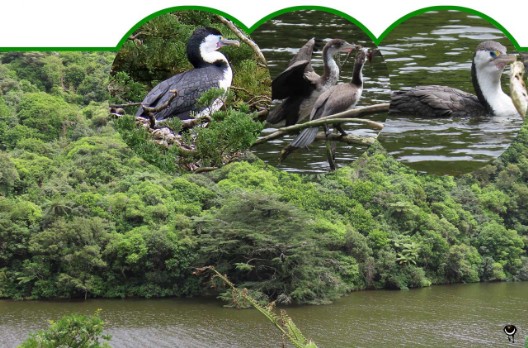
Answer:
(335, 99)
(510, 331)
(299, 85)
(488, 63)
(211, 70)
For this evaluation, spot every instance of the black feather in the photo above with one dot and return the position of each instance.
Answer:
(190, 85)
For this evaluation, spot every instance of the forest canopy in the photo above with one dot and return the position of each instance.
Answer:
(84, 214)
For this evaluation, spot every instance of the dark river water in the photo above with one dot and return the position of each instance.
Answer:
(470, 315)
(432, 48)
(279, 39)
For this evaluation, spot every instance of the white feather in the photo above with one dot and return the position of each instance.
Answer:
(489, 79)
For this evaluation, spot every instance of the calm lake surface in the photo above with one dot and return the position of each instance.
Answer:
(279, 39)
(470, 315)
(437, 48)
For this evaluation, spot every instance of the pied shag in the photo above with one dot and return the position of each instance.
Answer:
(211, 70)
(488, 63)
(335, 99)
(299, 85)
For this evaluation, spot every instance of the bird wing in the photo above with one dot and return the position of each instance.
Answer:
(435, 101)
(319, 107)
(287, 110)
(307, 135)
(304, 53)
(291, 81)
(336, 99)
(190, 85)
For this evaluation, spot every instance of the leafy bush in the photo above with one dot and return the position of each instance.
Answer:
(50, 116)
(73, 330)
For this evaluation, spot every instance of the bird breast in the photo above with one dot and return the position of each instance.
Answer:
(227, 78)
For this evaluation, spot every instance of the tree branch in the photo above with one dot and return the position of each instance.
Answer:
(243, 37)
(151, 111)
(349, 138)
(124, 105)
(204, 169)
(341, 117)
(363, 111)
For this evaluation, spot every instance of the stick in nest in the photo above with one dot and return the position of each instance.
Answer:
(151, 111)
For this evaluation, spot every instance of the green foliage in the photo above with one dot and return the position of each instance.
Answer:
(408, 252)
(236, 132)
(87, 211)
(291, 261)
(501, 245)
(8, 175)
(123, 87)
(73, 330)
(157, 51)
(463, 264)
(71, 252)
(48, 115)
(63, 74)
(141, 142)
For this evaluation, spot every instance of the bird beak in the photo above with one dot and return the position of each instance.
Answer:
(228, 42)
(347, 47)
(504, 59)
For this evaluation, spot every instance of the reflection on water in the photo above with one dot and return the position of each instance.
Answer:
(279, 39)
(437, 48)
(448, 146)
(467, 315)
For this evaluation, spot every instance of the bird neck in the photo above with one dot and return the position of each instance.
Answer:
(331, 69)
(487, 84)
(357, 75)
(214, 57)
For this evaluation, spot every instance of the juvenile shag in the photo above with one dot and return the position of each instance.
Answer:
(488, 63)
(299, 85)
(211, 70)
(335, 99)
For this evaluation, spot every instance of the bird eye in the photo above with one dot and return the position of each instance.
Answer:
(494, 54)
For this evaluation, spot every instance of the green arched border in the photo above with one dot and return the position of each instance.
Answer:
(376, 40)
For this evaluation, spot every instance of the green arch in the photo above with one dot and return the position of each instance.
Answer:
(242, 25)
(456, 8)
(173, 9)
(376, 40)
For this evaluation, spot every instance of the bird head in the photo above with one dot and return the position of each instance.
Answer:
(491, 57)
(203, 44)
(338, 45)
(362, 55)
(212, 40)
(372, 52)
